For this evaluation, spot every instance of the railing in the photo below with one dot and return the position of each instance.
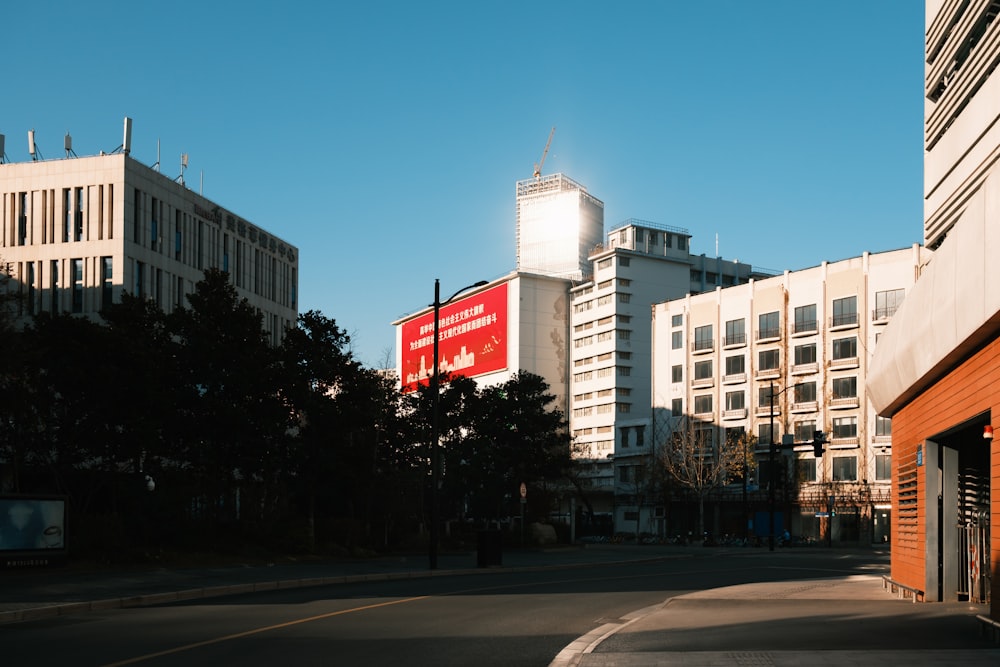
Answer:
(805, 326)
(844, 319)
(769, 334)
(703, 345)
(735, 339)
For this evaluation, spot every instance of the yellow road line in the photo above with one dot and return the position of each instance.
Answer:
(248, 633)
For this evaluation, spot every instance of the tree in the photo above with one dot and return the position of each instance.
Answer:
(514, 435)
(233, 420)
(695, 461)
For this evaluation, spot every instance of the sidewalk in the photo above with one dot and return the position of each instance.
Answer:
(838, 621)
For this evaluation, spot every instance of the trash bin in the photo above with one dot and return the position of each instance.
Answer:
(490, 548)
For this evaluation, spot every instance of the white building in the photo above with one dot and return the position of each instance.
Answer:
(517, 322)
(77, 232)
(641, 264)
(804, 338)
(558, 224)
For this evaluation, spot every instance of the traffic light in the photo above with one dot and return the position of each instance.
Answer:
(819, 439)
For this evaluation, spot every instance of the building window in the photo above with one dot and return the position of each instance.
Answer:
(768, 360)
(845, 348)
(76, 267)
(769, 325)
(845, 468)
(676, 320)
(735, 365)
(845, 311)
(804, 430)
(806, 469)
(845, 387)
(703, 404)
(604, 263)
(624, 297)
(703, 370)
(764, 396)
(681, 242)
(887, 302)
(604, 284)
(677, 373)
(624, 408)
(735, 400)
(764, 433)
(805, 392)
(805, 318)
(677, 406)
(883, 426)
(623, 436)
(54, 287)
(624, 371)
(624, 334)
(845, 427)
(805, 354)
(676, 340)
(624, 261)
(735, 332)
(703, 337)
(67, 233)
(140, 290)
(640, 436)
(624, 282)
(624, 356)
(107, 273)
(883, 467)
(78, 216)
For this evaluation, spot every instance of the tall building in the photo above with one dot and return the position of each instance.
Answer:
(641, 263)
(77, 232)
(934, 371)
(781, 358)
(558, 224)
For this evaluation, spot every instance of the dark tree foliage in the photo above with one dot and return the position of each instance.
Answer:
(294, 447)
(232, 421)
(510, 435)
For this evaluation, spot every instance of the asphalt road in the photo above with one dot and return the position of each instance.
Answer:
(503, 618)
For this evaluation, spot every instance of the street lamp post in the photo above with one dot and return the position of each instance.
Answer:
(435, 444)
(770, 462)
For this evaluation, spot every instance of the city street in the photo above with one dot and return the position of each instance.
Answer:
(505, 617)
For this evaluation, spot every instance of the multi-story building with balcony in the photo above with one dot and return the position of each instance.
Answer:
(78, 231)
(642, 263)
(779, 359)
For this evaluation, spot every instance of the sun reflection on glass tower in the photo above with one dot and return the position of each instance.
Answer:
(559, 224)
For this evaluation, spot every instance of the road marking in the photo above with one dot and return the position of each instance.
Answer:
(248, 633)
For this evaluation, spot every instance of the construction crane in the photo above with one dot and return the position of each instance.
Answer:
(538, 166)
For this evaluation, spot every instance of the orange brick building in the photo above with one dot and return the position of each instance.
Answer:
(936, 369)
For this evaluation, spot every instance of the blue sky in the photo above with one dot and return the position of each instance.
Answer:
(384, 139)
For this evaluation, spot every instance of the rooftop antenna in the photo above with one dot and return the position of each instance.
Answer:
(540, 163)
(127, 138)
(201, 183)
(156, 167)
(32, 147)
(717, 244)
(184, 164)
(3, 155)
(68, 145)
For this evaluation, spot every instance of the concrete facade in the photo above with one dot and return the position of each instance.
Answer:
(807, 337)
(77, 232)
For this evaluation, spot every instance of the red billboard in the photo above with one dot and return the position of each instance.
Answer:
(472, 338)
